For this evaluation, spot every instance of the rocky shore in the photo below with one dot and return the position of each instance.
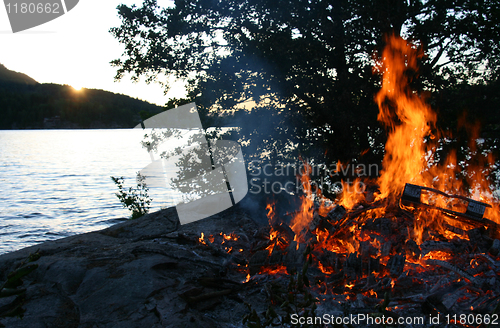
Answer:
(148, 272)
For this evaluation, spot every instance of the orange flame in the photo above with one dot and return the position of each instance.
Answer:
(271, 212)
(412, 142)
(407, 117)
(305, 214)
(410, 157)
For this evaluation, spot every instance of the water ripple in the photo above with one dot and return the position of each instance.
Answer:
(56, 183)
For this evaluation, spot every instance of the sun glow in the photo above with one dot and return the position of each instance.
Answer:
(77, 87)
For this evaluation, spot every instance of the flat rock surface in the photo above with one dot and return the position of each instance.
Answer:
(148, 272)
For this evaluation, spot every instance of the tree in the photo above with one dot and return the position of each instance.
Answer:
(297, 75)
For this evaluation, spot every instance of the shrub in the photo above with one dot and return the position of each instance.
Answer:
(136, 199)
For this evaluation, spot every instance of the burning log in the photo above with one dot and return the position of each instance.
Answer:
(495, 247)
(453, 268)
(353, 266)
(437, 246)
(386, 249)
(332, 219)
(336, 214)
(473, 215)
(412, 195)
(316, 220)
(454, 229)
(412, 250)
(284, 233)
(294, 257)
(257, 261)
(276, 257)
(396, 265)
(480, 237)
(380, 225)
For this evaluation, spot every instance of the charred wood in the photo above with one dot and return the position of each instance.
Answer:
(294, 257)
(480, 238)
(396, 264)
(453, 268)
(412, 250)
(495, 247)
(276, 257)
(257, 261)
(353, 266)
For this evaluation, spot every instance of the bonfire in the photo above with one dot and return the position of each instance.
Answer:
(422, 240)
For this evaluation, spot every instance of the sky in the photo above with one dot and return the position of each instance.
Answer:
(76, 49)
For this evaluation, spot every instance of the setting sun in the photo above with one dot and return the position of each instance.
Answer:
(77, 87)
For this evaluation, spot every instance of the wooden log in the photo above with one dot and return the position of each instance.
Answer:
(316, 221)
(381, 225)
(258, 260)
(332, 219)
(328, 259)
(473, 216)
(294, 257)
(353, 266)
(386, 249)
(285, 233)
(367, 250)
(336, 214)
(433, 245)
(412, 250)
(276, 257)
(454, 229)
(495, 247)
(480, 238)
(373, 265)
(453, 268)
(396, 265)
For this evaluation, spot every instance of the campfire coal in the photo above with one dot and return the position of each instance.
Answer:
(388, 273)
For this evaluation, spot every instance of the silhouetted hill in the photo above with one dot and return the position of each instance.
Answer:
(33, 106)
(6, 75)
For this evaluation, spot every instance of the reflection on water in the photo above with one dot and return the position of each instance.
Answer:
(56, 183)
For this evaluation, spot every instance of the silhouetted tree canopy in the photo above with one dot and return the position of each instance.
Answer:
(296, 76)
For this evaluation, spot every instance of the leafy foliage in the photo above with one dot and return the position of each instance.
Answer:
(136, 200)
(300, 80)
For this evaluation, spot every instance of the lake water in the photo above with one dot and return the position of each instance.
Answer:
(56, 183)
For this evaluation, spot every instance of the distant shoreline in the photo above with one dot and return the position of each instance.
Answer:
(53, 106)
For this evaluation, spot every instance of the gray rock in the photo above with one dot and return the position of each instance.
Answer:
(128, 275)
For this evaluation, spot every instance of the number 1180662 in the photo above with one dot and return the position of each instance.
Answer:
(33, 8)
(472, 319)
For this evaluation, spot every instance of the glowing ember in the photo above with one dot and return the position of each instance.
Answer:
(231, 236)
(274, 270)
(247, 279)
